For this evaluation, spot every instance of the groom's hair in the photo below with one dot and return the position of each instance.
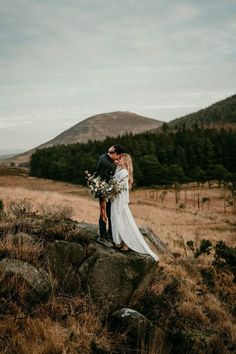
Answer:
(117, 148)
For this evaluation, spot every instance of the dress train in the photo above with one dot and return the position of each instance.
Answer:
(124, 227)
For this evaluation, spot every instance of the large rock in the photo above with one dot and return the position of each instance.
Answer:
(133, 324)
(111, 277)
(114, 278)
(64, 259)
(24, 282)
(84, 233)
(80, 263)
(154, 239)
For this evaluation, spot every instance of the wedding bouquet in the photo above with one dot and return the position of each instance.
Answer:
(102, 189)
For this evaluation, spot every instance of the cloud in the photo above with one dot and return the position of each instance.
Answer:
(67, 60)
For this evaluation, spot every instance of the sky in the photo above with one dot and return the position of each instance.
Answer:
(62, 61)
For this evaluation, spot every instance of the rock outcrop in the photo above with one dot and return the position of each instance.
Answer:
(79, 263)
(115, 278)
(111, 277)
(64, 259)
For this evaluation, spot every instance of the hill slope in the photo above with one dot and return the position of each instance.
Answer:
(100, 126)
(220, 114)
(97, 127)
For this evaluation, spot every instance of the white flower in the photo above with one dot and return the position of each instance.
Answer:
(108, 190)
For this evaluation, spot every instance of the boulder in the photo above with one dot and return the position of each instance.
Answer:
(64, 260)
(24, 282)
(133, 324)
(153, 238)
(114, 278)
(84, 233)
(80, 263)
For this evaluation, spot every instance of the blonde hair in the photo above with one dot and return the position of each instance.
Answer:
(129, 166)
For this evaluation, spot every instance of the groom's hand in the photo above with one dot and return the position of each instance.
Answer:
(103, 210)
(104, 215)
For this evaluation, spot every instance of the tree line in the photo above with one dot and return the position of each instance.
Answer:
(160, 158)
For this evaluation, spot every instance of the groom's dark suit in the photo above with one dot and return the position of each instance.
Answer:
(105, 169)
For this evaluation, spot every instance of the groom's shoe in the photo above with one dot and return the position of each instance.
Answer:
(105, 242)
(108, 236)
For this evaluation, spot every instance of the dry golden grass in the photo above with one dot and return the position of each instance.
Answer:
(193, 314)
(196, 316)
(26, 251)
(74, 325)
(213, 309)
(165, 217)
(157, 345)
(50, 194)
(197, 308)
(69, 326)
(175, 225)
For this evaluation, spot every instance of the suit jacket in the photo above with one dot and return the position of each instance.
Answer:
(105, 167)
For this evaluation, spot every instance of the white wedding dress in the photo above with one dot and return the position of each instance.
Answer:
(123, 225)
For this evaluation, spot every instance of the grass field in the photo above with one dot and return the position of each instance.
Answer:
(199, 213)
(188, 296)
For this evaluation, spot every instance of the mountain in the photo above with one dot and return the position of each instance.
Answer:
(219, 115)
(97, 127)
(100, 126)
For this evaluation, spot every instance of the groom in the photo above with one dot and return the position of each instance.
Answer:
(106, 168)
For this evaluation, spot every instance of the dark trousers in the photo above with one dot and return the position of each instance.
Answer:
(102, 225)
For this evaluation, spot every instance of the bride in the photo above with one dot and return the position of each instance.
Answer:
(124, 229)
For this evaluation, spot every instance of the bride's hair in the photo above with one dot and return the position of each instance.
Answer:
(129, 165)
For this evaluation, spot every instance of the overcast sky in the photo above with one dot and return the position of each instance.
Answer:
(62, 61)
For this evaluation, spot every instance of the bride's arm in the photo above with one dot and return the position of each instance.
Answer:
(123, 196)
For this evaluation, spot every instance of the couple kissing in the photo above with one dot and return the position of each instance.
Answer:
(122, 229)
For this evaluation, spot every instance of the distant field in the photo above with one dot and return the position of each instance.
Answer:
(193, 213)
